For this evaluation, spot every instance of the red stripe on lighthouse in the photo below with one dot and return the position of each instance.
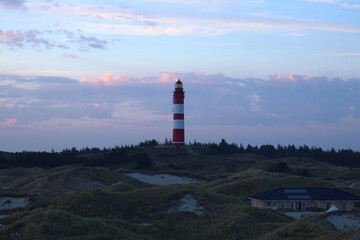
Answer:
(178, 116)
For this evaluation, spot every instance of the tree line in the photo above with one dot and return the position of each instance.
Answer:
(125, 154)
(341, 157)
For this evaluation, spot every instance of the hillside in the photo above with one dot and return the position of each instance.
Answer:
(97, 197)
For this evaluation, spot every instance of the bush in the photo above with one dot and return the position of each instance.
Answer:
(143, 161)
(304, 173)
(278, 167)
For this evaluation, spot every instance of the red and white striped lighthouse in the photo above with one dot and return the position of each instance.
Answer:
(178, 109)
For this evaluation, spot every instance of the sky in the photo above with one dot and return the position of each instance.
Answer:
(101, 73)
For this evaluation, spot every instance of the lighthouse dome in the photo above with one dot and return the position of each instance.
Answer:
(178, 84)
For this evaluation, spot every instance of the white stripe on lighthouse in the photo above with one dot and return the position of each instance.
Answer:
(178, 124)
(178, 108)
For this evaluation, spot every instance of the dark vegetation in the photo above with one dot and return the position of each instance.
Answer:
(87, 193)
(119, 155)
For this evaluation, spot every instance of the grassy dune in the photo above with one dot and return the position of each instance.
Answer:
(77, 202)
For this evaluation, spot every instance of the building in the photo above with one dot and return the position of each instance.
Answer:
(178, 109)
(301, 199)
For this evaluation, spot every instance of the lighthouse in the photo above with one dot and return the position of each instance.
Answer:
(178, 108)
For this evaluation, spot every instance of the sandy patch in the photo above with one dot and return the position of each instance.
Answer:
(161, 179)
(298, 215)
(345, 222)
(187, 203)
(13, 203)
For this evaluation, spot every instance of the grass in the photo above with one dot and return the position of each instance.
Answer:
(75, 203)
(249, 182)
(56, 225)
(98, 214)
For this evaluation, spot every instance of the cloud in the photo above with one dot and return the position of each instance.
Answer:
(110, 80)
(125, 21)
(70, 56)
(175, 26)
(42, 40)
(12, 4)
(127, 104)
(133, 112)
(297, 34)
(223, 100)
(107, 79)
(21, 84)
(350, 6)
(166, 78)
(288, 77)
(8, 122)
(254, 102)
(341, 3)
(18, 39)
(93, 42)
(202, 2)
(18, 102)
(344, 54)
(88, 11)
(49, 72)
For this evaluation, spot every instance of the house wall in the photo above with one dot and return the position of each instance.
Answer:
(341, 205)
(257, 203)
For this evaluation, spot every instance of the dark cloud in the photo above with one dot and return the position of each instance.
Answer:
(13, 4)
(303, 111)
(211, 99)
(19, 39)
(93, 42)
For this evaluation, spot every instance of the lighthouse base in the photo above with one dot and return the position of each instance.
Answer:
(178, 137)
(178, 144)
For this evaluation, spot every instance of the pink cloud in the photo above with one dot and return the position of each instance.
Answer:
(163, 78)
(107, 79)
(166, 77)
(111, 80)
(288, 77)
(10, 37)
(9, 122)
(95, 105)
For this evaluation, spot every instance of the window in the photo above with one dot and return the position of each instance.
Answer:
(298, 197)
(343, 206)
(274, 204)
(268, 204)
(295, 191)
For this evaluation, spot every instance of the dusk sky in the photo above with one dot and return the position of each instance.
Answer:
(101, 73)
